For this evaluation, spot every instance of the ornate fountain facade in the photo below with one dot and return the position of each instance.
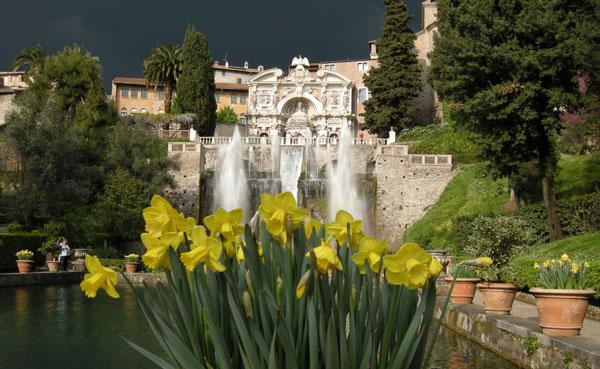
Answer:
(301, 104)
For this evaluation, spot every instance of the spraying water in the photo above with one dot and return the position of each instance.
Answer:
(290, 168)
(342, 185)
(231, 190)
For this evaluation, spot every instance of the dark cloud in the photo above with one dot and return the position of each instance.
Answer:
(267, 32)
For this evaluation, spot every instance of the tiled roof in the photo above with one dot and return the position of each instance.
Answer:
(231, 86)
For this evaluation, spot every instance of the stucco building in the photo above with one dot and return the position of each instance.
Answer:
(11, 83)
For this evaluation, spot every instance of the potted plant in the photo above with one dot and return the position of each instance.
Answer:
(131, 263)
(465, 282)
(51, 250)
(502, 238)
(24, 261)
(563, 298)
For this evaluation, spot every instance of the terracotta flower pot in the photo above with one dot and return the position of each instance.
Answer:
(464, 290)
(53, 265)
(498, 297)
(25, 266)
(561, 312)
(131, 267)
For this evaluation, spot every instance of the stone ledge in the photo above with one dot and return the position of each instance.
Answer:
(26, 279)
(141, 278)
(521, 341)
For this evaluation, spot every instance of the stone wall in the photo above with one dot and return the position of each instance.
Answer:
(27, 279)
(186, 195)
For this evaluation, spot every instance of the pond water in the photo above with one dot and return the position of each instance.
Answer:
(57, 327)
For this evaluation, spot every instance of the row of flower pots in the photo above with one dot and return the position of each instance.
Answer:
(561, 312)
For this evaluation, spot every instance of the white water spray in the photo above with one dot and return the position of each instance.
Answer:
(342, 185)
(231, 189)
(290, 168)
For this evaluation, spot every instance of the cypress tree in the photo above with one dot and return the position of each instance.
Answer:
(396, 83)
(508, 69)
(196, 86)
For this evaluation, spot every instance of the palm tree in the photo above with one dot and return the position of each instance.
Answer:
(31, 59)
(163, 67)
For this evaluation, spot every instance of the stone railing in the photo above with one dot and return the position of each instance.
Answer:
(183, 147)
(289, 141)
(430, 159)
(172, 133)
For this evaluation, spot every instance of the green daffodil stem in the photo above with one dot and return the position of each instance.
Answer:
(438, 326)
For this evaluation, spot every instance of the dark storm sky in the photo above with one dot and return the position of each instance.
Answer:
(267, 32)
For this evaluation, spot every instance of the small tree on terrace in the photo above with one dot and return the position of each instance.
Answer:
(226, 115)
(163, 68)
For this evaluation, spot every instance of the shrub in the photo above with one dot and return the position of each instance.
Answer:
(15, 227)
(114, 263)
(105, 252)
(10, 243)
(502, 238)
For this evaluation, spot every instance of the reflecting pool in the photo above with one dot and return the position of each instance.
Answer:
(57, 327)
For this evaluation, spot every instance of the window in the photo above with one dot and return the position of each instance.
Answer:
(217, 98)
(134, 93)
(363, 95)
(223, 73)
(123, 111)
(329, 67)
(143, 111)
(160, 94)
(144, 94)
(233, 99)
(362, 66)
(133, 110)
(125, 93)
(238, 81)
(243, 100)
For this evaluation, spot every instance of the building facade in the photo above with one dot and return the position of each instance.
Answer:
(304, 103)
(11, 83)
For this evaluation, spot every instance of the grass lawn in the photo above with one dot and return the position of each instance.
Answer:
(577, 175)
(470, 192)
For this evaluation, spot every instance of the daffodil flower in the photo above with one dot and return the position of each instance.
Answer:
(409, 266)
(161, 217)
(204, 249)
(564, 257)
(339, 229)
(479, 262)
(310, 225)
(157, 254)
(301, 287)
(241, 257)
(326, 258)
(370, 250)
(227, 225)
(277, 211)
(98, 277)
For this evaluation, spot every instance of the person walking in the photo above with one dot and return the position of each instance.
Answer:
(65, 253)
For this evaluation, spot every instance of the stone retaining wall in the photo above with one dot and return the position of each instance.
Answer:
(26, 279)
(141, 278)
(521, 341)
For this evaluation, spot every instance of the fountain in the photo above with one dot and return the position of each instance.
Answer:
(290, 168)
(231, 189)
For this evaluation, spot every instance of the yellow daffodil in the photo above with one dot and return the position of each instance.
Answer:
(487, 261)
(327, 258)
(204, 249)
(301, 287)
(370, 250)
(240, 253)
(227, 225)
(435, 268)
(479, 262)
(339, 229)
(157, 254)
(279, 211)
(574, 268)
(586, 265)
(536, 266)
(161, 217)
(564, 257)
(546, 264)
(98, 277)
(409, 266)
(310, 225)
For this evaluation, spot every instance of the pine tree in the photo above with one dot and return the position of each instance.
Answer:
(396, 83)
(196, 86)
(509, 69)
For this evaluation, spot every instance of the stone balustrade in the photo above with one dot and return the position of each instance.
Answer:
(293, 141)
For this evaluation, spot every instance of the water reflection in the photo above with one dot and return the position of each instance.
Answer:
(57, 327)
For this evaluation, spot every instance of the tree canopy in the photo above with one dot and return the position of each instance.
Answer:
(162, 69)
(196, 87)
(509, 70)
(396, 83)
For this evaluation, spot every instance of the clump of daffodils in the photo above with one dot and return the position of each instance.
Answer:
(563, 273)
(24, 255)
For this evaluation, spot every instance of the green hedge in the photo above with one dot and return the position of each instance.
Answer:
(118, 263)
(10, 243)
